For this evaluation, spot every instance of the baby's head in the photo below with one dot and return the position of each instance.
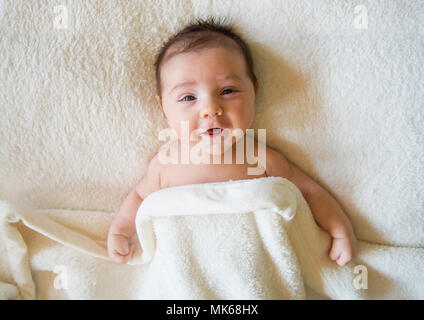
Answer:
(204, 75)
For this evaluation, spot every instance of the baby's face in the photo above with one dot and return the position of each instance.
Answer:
(209, 88)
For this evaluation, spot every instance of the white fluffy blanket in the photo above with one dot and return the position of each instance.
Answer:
(245, 239)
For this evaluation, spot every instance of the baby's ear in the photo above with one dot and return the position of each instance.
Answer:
(158, 100)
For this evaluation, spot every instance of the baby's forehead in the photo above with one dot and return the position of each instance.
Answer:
(184, 46)
(219, 64)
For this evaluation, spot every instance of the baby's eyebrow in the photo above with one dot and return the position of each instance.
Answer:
(182, 84)
(185, 83)
(231, 76)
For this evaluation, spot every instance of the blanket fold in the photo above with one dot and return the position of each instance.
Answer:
(233, 197)
(243, 239)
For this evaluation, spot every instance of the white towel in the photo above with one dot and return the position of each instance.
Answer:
(234, 240)
(244, 239)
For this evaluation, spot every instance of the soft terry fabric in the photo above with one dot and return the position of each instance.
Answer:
(245, 239)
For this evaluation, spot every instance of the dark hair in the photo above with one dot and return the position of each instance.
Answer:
(201, 34)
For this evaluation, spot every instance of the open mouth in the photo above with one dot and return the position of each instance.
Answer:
(213, 132)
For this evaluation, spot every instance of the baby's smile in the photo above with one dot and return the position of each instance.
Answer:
(213, 132)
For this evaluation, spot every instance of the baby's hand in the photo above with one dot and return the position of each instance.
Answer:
(118, 248)
(342, 250)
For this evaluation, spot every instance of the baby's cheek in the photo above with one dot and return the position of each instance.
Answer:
(249, 116)
(184, 128)
(244, 119)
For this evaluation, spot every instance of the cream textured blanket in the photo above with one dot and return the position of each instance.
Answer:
(245, 239)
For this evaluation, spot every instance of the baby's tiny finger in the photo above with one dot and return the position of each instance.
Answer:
(342, 260)
(120, 258)
(120, 254)
(334, 255)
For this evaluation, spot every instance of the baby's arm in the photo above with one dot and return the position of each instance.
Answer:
(325, 209)
(123, 225)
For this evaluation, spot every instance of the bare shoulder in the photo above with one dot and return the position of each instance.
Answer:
(278, 165)
(152, 179)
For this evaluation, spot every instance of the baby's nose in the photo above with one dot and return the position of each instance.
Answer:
(211, 114)
(210, 108)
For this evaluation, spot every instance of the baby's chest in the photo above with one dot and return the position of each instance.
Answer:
(184, 174)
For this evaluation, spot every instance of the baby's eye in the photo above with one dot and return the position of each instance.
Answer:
(190, 98)
(228, 90)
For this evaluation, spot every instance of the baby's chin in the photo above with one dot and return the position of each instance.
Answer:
(212, 146)
(216, 149)
(219, 146)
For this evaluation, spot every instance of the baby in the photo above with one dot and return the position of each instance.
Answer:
(205, 80)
